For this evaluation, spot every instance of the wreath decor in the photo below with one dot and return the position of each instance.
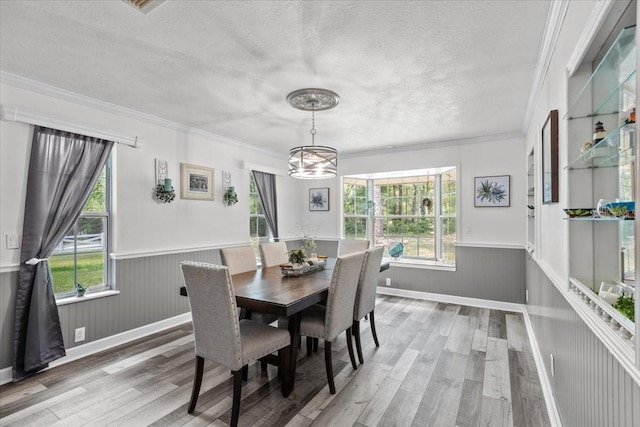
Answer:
(163, 195)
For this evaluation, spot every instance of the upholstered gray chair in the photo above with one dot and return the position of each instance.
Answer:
(239, 259)
(366, 295)
(348, 246)
(329, 321)
(273, 254)
(221, 337)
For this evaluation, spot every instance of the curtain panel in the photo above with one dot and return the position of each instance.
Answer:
(266, 186)
(63, 169)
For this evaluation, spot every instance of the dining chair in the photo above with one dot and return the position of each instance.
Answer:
(221, 337)
(328, 321)
(273, 254)
(366, 295)
(348, 246)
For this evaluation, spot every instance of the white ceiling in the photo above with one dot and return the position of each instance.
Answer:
(407, 72)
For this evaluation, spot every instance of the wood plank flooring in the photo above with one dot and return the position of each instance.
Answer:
(437, 365)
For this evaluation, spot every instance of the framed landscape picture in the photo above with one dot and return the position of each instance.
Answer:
(196, 182)
(319, 199)
(492, 191)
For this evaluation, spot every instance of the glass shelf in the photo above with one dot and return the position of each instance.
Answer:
(608, 152)
(593, 219)
(612, 81)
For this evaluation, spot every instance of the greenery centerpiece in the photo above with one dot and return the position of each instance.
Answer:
(297, 256)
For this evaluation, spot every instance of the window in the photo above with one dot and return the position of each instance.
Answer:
(416, 208)
(82, 255)
(257, 221)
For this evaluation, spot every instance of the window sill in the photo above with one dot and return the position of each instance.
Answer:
(419, 263)
(89, 296)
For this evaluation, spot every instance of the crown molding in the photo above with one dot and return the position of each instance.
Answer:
(553, 26)
(594, 23)
(66, 95)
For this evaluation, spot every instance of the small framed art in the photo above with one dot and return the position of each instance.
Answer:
(319, 199)
(492, 191)
(196, 182)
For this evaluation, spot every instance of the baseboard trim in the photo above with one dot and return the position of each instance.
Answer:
(74, 353)
(547, 392)
(453, 299)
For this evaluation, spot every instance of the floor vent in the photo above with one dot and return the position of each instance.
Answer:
(144, 6)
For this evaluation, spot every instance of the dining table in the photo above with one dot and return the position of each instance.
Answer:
(268, 290)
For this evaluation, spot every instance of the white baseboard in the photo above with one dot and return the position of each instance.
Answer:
(549, 400)
(74, 353)
(452, 299)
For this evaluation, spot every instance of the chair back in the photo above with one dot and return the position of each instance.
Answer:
(348, 246)
(273, 254)
(342, 294)
(239, 259)
(214, 313)
(366, 295)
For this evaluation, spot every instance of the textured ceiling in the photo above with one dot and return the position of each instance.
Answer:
(407, 72)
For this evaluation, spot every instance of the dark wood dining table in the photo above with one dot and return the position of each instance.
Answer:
(267, 290)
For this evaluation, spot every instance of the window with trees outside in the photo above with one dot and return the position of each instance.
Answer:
(416, 208)
(82, 255)
(257, 221)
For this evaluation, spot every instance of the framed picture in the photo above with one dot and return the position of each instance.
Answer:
(492, 191)
(550, 158)
(196, 182)
(319, 199)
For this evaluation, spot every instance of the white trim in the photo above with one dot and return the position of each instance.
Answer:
(140, 254)
(9, 268)
(45, 89)
(14, 114)
(555, 19)
(87, 297)
(452, 299)
(490, 245)
(592, 26)
(424, 264)
(262, 168)
(103, 344)
(547, 391)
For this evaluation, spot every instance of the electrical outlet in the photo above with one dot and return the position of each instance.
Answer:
(12, 241)
(388, 283)
(553, 366)
(526, 295)
(79, 334)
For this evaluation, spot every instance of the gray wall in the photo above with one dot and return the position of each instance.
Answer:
(486, 273)
(590, 387)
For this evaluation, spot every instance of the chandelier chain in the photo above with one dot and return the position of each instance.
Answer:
(313, 127)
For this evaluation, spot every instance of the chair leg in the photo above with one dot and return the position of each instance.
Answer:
(329, 366)
(283, 369)
(197, 381)
(263, 366)
(355, 330)
(309, 346)
(350, 348)
(315, 344)
(372, 320)
(237, 391)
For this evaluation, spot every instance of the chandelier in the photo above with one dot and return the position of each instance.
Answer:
(313, 161)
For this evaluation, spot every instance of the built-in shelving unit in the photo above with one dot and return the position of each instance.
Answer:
(602, 250)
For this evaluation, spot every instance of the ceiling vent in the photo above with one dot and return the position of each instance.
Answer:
(144, 6)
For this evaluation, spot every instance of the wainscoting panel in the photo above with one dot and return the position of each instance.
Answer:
(487, 273)
(149, 292)
(590, 387)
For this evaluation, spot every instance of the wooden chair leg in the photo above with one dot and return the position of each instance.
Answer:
(263, 366)
(372, 320)
(197, 381)
(329, 366)
(355, 330)
(237, 391)
(315, 344)
(350, 348)
(309, 346)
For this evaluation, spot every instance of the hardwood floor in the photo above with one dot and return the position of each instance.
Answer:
(437, 365)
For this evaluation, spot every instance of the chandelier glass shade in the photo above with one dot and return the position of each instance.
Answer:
(313, 161)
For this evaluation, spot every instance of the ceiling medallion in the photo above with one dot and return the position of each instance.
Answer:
(313, 161)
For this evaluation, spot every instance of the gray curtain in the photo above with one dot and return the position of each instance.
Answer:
(62, 172)
(266, 186)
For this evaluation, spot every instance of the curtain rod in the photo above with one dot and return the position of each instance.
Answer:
(13, 114)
